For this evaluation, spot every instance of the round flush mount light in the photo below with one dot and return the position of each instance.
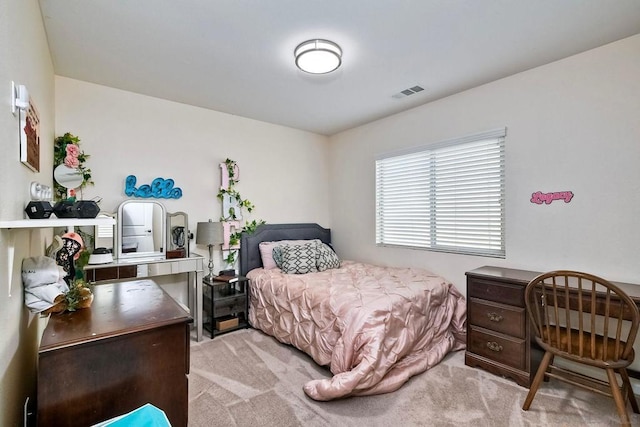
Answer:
(318, 56)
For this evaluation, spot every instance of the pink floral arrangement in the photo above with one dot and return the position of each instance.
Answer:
(67, 151)
(71, 159)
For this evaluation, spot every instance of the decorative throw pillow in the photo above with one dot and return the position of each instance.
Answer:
(266, 251)
(326, 258)
(299, 259)
(277, 256)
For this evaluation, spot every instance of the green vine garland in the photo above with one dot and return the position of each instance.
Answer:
(249, 227)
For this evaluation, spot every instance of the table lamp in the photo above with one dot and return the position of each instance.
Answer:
(210, 234)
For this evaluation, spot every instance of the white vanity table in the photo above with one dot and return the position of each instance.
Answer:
(143, 246)
(130, 268)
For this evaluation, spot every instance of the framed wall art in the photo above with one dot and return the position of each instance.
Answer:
(30, 137)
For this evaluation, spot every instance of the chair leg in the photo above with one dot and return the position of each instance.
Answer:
(537, 380)
(617, 397)
(627, 385)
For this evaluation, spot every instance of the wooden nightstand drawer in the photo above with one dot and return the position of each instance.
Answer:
(505, 319)
(499, 348)
(495, 291)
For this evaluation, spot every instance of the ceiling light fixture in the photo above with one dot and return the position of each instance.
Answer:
(318, 56)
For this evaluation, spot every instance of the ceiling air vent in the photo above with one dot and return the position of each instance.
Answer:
(408, 92)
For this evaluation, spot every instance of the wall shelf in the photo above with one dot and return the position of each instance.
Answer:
(56, 222)
(7, 238)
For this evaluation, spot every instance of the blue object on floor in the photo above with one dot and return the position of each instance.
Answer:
(145, 416)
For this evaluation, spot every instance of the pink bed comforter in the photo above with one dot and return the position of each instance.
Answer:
(374, 327)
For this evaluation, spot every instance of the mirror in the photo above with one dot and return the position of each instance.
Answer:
(67, 177)
(177, 235)
(141, 230)
(104, 234)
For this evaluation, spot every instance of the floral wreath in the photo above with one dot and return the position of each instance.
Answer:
(66, 151)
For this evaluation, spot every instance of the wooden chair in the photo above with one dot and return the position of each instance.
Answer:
(587, 320)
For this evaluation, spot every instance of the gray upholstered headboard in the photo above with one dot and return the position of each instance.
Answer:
(250, 253)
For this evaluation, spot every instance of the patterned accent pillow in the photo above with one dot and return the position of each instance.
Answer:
(299, 259)
(277, 256)
(266, 251)
(326, 258)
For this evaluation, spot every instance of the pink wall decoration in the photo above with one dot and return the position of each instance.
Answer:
(229, 227)
(224, 175)
(539, 197)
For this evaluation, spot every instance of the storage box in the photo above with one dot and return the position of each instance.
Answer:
(226, 322)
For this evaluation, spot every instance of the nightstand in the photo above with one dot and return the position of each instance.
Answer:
(226, 304)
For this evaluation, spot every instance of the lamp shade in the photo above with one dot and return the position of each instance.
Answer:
(209, 233)
(318, 56)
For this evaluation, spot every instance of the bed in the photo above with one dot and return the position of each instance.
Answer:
(374, 327)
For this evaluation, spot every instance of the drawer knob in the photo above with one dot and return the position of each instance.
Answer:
(494, 317)
(494, 346)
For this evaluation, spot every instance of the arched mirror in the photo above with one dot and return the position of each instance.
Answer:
(141, 230)
(178, 235)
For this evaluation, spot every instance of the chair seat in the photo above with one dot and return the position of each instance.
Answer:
(613, 354)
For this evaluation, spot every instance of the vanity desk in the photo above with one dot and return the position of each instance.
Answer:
(148, 242)
(132, 268)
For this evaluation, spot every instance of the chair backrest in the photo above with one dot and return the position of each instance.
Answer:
(583, 317)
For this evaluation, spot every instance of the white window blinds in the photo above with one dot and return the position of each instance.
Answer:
(447, 197)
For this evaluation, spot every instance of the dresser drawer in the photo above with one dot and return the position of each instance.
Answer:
(492, 290)
(505, 319)
(497, 347)
(111, 273)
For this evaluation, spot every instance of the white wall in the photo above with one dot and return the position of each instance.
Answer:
(283, 171)
(572, 125)
(25, 59)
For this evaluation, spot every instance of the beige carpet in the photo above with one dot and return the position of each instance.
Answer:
(246, 378)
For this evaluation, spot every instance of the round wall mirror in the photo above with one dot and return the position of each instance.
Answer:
(67, 177)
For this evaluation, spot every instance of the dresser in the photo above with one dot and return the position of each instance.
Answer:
(500, 338)
(129, 348)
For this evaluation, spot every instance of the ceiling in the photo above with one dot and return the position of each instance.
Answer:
(236, 56)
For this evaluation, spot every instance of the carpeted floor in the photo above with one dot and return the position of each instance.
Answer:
(247, 378)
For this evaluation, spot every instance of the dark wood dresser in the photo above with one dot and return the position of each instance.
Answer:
(499, 337)
(130, 348)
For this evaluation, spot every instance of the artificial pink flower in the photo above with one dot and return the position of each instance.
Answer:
(71, 161)
(73, 150)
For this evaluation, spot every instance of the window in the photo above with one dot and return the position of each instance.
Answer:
(445, 197)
